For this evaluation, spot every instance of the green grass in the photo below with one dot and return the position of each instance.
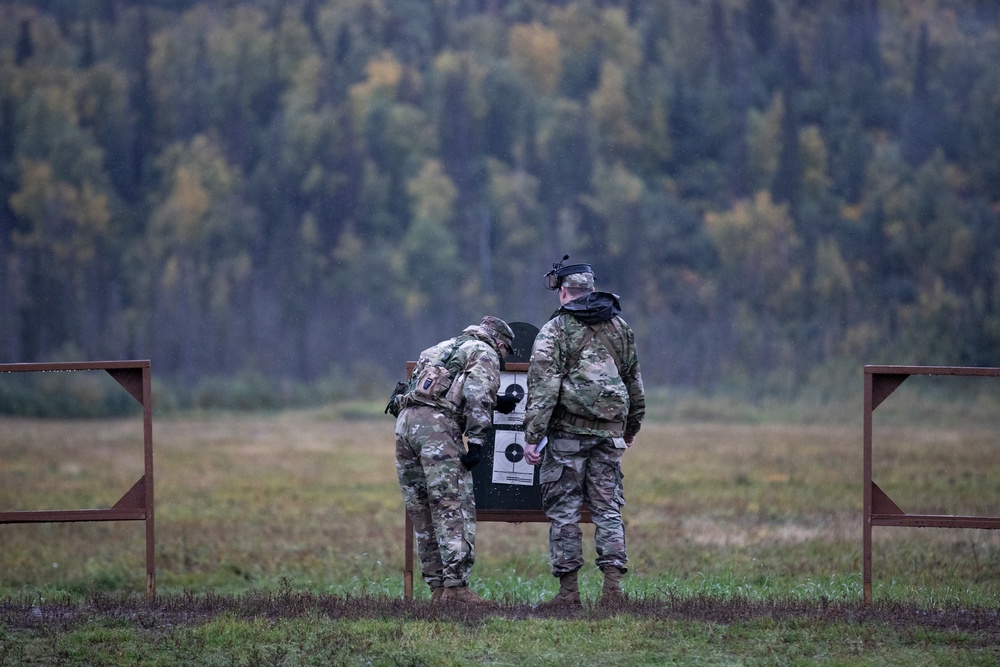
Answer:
(730, 511)
(288, 628)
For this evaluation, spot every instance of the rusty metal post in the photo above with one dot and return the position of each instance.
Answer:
(408, 565)
(867, 516)
(147, 444)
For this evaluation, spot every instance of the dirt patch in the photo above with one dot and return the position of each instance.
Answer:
(189, 609)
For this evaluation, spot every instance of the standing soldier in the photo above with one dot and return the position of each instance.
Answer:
(586, 402)
(451, 392)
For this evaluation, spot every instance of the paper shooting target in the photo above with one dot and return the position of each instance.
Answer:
(516, 385)
(509, 466)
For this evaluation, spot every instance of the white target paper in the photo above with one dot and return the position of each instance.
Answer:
(512, 384)
(509, 466)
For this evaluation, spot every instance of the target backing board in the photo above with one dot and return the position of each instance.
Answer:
(502, 481)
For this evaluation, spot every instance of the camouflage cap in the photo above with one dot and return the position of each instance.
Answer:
(579, 281)
(499, 330)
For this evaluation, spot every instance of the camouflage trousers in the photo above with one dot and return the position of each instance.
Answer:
(580, 471)
(437, 492)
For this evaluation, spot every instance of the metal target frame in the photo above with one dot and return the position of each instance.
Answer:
(137, 503)
(879, 508)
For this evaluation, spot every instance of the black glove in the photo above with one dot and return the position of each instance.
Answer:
(506, 403)
(471, 458)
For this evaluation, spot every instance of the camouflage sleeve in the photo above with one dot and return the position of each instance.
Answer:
(544, 382)
(633, 382)
(482, 381)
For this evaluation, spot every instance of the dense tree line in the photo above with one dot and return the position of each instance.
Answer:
(306, 186)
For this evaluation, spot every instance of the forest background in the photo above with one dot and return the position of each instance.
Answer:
(305, 190)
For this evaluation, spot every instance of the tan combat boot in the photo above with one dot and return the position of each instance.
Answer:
(464, 595)
(568, 595)
(612, 591)
(436, 593)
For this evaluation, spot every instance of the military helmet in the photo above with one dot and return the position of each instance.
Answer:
(498, 330)
(555, 278)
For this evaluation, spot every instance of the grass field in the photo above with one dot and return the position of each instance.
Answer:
(744, 539)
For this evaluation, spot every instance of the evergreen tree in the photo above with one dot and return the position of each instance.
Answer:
(760, 25)
(25, 47)
(918, 131)
(224, 185)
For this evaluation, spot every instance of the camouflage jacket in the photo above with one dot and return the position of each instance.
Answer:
(562, 398)
(475, 369)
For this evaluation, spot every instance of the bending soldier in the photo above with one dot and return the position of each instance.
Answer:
(451, 393)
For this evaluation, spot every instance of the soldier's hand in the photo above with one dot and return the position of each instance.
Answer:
(471, 458)
(531, 454)
(506, 403)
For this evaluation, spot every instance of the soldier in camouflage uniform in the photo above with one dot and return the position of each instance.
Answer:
(451, 392)
(585, 396)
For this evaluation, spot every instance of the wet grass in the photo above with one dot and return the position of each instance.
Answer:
(285, 627)
(279, 540)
